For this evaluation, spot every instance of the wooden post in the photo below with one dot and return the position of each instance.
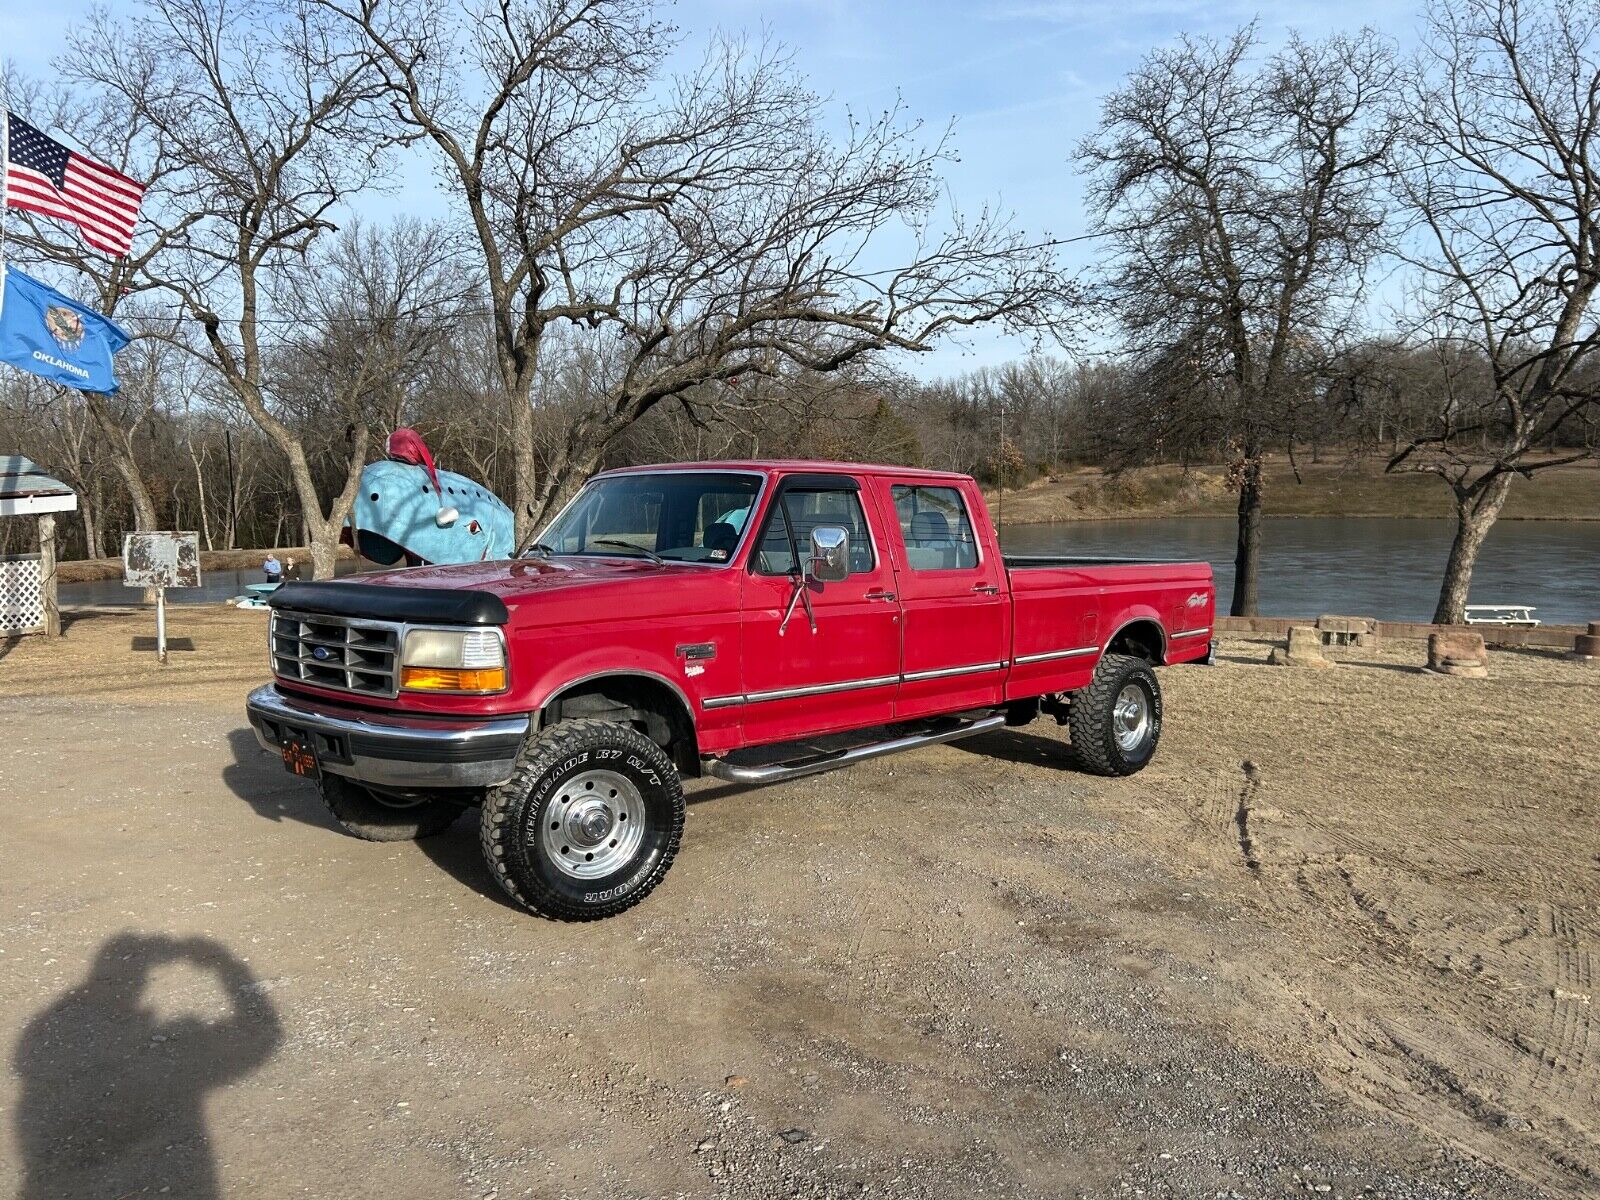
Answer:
(161, 625)
(47, 575)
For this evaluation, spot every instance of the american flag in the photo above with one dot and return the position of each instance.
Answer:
(43, 176)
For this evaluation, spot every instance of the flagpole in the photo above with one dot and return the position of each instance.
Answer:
(5, 171)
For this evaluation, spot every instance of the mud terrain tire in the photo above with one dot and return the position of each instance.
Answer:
(556, 835)
(369, 816)
(1116, 720)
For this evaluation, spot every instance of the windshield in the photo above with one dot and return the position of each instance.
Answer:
(684, 516)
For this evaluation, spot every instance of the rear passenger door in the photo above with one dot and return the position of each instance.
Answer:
(952, 603)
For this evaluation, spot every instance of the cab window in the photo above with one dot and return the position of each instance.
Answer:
(938, 534)
(685, 516)
(809, 509)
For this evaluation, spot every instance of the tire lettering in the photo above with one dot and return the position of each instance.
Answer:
(611, 893)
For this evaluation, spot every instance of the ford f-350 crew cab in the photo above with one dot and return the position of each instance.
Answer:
(752, 621)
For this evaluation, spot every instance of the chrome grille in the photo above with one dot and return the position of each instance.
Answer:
(341, 653)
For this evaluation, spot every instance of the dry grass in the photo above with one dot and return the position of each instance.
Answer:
(1342, 488)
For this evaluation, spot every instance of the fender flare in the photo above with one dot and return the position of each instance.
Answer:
(1139, 616)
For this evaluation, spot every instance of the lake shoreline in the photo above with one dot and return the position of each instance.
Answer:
(1085, 518)
(1346, 488)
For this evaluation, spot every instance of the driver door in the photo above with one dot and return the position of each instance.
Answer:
(845, 675)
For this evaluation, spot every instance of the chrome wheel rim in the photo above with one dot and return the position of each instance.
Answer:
(593, 824)
(1130, 717)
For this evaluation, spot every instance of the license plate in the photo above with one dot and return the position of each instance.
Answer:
(299, 759)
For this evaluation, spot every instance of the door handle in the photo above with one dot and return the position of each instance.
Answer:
(986, 589)
(879, 594)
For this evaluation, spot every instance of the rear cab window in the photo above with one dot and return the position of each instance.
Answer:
(935, 527)
(810, 506)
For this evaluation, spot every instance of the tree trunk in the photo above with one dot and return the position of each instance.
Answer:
(200, 499)
(1475, 516)
(324, 543)
(1247, 556)
(91, 531)
(524, 469)
(120, 446)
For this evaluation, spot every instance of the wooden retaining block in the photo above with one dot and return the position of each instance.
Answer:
(1455, 653)
(1304, 649)
(1552, 637)
(1587, 645)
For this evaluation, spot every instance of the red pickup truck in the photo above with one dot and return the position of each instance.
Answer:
(751, 621)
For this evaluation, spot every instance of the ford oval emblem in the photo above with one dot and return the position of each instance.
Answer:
(321, 653)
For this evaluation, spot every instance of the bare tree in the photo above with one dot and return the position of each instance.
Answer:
(703, 221)
(1243, 203)
(107, 124)
(1503, 175)
(267, 120)
(370, 311)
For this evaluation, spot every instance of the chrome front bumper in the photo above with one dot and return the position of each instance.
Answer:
(392, 750)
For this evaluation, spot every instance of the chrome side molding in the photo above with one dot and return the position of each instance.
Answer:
(1049, 655)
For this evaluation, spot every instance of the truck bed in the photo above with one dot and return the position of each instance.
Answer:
(1027, 562)
(1067, 608)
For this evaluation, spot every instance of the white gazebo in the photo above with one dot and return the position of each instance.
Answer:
(28, 581)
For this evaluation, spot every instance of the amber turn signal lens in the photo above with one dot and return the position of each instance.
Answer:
(453, 679)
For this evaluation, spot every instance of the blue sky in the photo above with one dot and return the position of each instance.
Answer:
(1022, 81)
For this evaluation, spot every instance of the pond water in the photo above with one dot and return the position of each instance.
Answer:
(1385, 567)
(1362, 566)
(215, 587)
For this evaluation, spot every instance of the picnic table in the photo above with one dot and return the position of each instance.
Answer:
(1520, 615)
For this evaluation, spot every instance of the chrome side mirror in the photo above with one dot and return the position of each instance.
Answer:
(830, 554)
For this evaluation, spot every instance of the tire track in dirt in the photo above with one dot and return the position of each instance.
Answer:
(1491, 1032)
(1563, 1069)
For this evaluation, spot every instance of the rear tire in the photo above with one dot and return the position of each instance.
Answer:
(368, 815)
(587, 825)
(1116, 720)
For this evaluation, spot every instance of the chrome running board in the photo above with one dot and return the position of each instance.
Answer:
(721, 768)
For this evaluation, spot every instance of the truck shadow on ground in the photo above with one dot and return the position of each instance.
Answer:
(258, 778)
(1026, 749)
(113, 1090)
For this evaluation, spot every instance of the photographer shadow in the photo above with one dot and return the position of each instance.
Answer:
(113, 1092)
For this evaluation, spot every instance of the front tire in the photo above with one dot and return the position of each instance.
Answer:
(587, 825)
(374, 817)
(1116, 720)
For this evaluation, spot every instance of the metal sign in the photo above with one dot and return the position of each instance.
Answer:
(161, 559)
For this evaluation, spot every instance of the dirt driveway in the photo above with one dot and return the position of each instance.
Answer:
(1339, 940)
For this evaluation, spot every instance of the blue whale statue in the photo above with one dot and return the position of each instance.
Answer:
(409, 510)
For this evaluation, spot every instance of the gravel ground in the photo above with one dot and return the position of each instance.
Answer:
(1337, 940)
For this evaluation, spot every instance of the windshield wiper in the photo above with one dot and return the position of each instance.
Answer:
(540, 549)
(650, 554)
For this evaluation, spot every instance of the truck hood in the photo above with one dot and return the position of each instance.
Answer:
(520, 579)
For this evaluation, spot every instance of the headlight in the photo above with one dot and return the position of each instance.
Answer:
(453, 660)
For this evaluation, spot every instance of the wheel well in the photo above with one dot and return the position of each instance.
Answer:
(1140, 639)
(649, 705)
